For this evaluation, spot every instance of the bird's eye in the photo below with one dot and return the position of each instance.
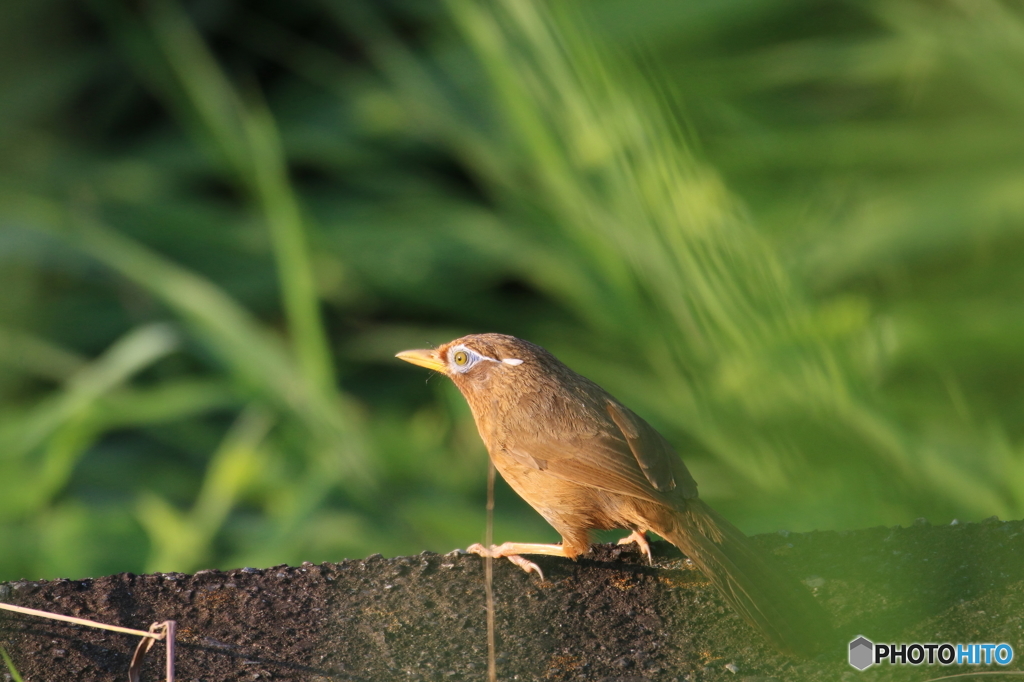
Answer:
(461, 358)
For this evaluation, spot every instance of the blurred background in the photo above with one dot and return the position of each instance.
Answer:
(787, 233)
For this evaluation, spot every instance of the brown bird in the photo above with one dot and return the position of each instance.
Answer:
(586, 462)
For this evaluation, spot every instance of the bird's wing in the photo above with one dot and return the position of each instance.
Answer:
(629, 457)
(657, 458)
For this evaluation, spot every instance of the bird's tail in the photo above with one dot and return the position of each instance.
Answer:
(772, 601)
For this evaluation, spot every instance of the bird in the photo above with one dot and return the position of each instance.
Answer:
(586, 462)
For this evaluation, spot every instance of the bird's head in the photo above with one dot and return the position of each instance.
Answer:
(483, 363)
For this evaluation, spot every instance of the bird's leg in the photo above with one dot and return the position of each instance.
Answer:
(641, 541)
(512, 550)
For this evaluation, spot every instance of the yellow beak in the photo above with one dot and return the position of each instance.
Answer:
(423, 358)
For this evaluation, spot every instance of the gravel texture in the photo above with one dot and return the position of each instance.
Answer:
(607, 617)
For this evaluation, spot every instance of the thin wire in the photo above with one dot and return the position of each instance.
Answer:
(80, 621)
(492, 660)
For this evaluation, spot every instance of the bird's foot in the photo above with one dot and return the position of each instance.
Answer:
(641, 541)
(499, 551)
(512, 550)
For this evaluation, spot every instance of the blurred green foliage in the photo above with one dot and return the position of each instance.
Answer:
(788, 233)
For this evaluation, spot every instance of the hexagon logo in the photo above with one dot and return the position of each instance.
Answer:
(862, 652)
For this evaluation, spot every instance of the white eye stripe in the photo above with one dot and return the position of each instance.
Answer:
(472, 357)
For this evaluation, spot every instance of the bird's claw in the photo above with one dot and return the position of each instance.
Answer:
(641, 541)
(495, 552)
(526, 565)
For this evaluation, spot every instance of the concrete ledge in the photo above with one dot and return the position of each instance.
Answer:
(606, 617)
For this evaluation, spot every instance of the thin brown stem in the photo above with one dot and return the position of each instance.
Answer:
(492, 660)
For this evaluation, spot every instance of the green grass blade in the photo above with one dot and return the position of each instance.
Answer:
(15, 675)
(248, 139)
